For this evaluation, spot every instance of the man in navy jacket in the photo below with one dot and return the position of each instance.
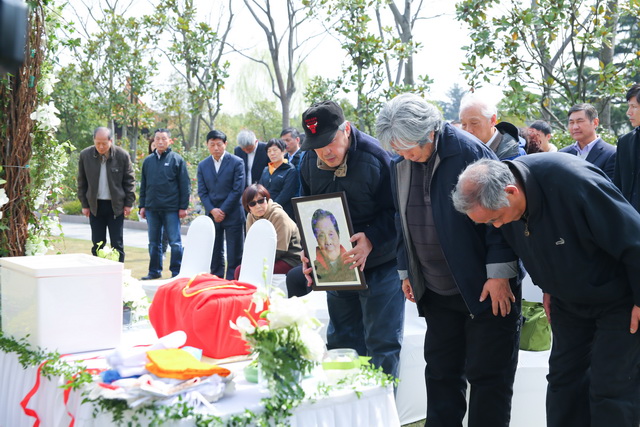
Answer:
(164, 198)
(579, 240)
(220, 186)
(341, 158)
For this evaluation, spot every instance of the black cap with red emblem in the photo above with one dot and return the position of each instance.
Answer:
(320, 123)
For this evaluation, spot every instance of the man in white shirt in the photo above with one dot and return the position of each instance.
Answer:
(583, 122)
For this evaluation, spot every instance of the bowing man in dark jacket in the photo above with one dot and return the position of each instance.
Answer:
(254, 155)
(583, 122)
(578, 239)
(220, 186)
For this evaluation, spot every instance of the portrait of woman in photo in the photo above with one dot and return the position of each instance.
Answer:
(328, 263)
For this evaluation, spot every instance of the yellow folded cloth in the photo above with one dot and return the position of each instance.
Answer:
(178, 363)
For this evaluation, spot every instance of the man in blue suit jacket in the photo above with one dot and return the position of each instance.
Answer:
(583, 122)
(220, 185)
(254, 155)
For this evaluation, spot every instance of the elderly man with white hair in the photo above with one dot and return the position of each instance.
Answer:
(480, 118)
(463, 276)
(254, 155)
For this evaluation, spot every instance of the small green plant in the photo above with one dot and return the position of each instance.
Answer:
(133, 216)
(72, 207)
(107, 252)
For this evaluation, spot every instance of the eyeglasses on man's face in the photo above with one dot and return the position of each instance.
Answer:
(255, 202)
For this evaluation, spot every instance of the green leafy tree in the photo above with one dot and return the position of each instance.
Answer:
(77, 105)
(370, 48)
(550, 54)
(286, 46)
(196, 53)
(117, 62)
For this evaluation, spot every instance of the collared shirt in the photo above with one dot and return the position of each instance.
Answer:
(584, 152)
(250, 157)
(290, 156)
(104, 193)
(217, 163)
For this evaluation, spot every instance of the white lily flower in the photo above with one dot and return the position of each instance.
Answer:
(285, 312)
(314, 344)
(243, 325)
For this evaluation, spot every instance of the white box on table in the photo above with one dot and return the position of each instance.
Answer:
(68, 303)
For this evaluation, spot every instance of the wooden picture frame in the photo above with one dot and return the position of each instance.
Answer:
(325, 218)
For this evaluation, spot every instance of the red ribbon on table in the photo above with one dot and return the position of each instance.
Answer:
(67, 392)
(25, 402)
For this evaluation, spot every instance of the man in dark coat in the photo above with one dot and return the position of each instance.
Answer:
(583, 122)
(341, 158)
(254, 155)
(106, 189)
(578, 239)
(627, 171)
(220, 187)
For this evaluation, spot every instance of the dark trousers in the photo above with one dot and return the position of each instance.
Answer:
(482, 350)
(103, 221)
(297, 283)
(593, 369)
(234, 238)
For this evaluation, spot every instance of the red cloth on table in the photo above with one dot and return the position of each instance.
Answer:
(202, 307)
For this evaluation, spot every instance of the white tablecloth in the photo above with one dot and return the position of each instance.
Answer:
(374, 407)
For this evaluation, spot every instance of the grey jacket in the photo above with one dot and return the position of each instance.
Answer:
(119, 174)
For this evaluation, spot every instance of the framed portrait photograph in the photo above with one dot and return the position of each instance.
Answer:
(325, 227)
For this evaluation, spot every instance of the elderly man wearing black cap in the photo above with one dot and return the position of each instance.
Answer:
(341, 158)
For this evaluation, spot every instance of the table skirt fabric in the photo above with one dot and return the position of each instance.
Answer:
(374, 407)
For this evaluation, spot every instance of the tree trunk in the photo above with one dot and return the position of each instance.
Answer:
(606, 57)
(133, 143)
(194, 127)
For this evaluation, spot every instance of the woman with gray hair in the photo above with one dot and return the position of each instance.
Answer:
(461, 275)
(408, 122)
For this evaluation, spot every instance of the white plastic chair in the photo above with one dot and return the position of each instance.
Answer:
(196, 257)
(259, 254)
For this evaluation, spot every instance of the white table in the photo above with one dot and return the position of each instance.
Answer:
(374, 407)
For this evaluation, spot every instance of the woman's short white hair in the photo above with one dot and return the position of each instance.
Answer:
(407, 121)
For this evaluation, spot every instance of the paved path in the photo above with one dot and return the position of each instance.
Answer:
(132, 237)
(135, 232)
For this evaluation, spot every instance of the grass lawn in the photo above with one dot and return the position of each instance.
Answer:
(136, 259)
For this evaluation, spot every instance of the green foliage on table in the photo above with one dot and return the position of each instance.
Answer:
(279, 356)
(277, 408)
(74, 373)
